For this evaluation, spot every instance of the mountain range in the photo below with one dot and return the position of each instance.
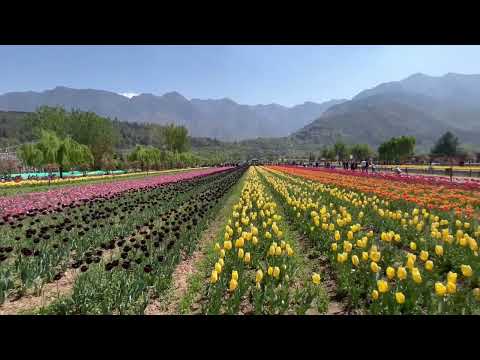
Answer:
(420, 105)
(222, 119)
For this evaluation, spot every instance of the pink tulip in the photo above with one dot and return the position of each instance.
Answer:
(51, 199)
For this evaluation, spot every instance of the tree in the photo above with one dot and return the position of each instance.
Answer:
(397, 149)
(361, 151)
(96, 132)
(447, 145)
(340, 150)
(31, 155)
(176, 138)
(53, 152)
(146, 156)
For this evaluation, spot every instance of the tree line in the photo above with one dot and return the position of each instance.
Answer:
(394, 150)
(66, 140)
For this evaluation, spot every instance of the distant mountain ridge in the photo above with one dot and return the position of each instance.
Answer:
(223, 119)
(420, 105)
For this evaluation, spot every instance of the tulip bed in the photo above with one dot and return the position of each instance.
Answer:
(148, 223)
(254, 269)
(389, 256)
(461, 198)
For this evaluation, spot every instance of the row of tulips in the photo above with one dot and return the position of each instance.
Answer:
(255, 265)
(20, 206)
(387, 258)
(79, 179)
(142, 264)
(462, 202)
(39, 248)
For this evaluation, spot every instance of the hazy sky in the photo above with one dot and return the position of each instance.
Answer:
(284, 75)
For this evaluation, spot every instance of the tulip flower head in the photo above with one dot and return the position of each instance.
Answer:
(382, 286)
(214, 277)
(467, 270)
(440, 289)
(399, 297)
(316, 278)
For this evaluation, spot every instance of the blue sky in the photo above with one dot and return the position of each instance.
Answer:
(285, 75)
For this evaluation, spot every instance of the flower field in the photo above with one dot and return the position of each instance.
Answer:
(392, 253)
(120, 241)
(244, 241)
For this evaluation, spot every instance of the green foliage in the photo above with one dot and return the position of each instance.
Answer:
(50, 150)
(397, 149)
(361, 151)
(340, 150)
(447, 145)
(176, 138)
(31, 155)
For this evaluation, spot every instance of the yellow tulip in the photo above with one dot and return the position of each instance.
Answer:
(382, 286)
(276, 272)
(254, 240)
(452, 277)
(278, 251)
(429, 265)
(214, 277)
(316, 278)
(227, 245)
(270, 271)
(390, 272)
(439, 250)
(413, 246)
(440, 289)
(222, 253)
(233, 285)
(365, 256)
(401, 273)
(240, 253)
(218, 267)
(374, 295)
(240, 242)
(355, 260)
(217, 246)
(451, 287)
(467, 270)
(259, 276)
(289, 251)
(399, 297)
(417, 277)
(334, 246)
(375, 256)
(374, 267)
(476, 293)
(341, 258)
(350, 235)
(271, 250)
(221, 262)
(347, 246)
(424, 255)
(337, 235)
(235, 274)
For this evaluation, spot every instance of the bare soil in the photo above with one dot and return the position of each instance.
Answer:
(181, 274)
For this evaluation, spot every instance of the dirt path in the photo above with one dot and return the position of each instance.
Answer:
(49, 293)
(181, 274)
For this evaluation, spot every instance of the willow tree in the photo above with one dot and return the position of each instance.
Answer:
(55, 152)
(31, 155)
